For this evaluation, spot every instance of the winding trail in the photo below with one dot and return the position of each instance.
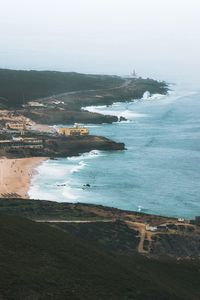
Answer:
(141, 243)
(142, 232)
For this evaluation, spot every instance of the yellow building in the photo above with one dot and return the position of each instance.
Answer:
(77, 130)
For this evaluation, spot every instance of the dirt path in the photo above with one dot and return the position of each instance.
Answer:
(75, 221)
(141, 243)
(125, 84)
(142, 231)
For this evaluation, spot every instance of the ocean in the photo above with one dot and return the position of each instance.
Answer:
(159, 173)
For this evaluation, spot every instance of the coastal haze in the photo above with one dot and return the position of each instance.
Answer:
(160, 39)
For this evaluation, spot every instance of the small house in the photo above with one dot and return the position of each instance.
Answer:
(151, 228)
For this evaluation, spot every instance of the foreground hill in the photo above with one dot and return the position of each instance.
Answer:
(41, 262)
(113, 229)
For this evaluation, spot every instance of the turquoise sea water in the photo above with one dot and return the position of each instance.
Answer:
(158, 173)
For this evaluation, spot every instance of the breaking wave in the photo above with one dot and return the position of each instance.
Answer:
(89, 155)
(111, 110)
(78, 167)
(148, 96)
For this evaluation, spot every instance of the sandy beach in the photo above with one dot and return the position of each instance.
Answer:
(15, 175)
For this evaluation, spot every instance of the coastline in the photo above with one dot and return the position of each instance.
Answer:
(16, 174)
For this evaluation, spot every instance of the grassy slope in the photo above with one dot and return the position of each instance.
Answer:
(41, 262)
(16, 85)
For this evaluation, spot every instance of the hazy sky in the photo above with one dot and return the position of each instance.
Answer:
(159, 38)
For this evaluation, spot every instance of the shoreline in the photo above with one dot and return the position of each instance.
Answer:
(16, 174)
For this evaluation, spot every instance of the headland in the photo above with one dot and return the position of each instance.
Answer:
(55, 98)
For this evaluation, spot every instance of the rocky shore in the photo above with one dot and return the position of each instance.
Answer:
(51, 116)
(66, 108)
(60, 146)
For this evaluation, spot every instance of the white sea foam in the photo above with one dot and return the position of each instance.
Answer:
(53, 170)
(93, 126)
(117, 108)
(36, 192)
(88, 155)
(49, 183)
(140, 208)
(130, 115)
(146, 95)
(78, 167)
(66, 194)
(149, 97)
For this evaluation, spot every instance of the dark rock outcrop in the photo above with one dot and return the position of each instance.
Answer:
(64, 116)
(58, 146)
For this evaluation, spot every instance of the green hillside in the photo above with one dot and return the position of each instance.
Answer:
(17, 87)
(41, 262)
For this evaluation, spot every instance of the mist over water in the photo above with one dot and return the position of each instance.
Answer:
(160, 39)
(158, 173)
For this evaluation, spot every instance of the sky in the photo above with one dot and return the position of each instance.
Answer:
(158, 38)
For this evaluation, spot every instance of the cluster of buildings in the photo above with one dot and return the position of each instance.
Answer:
(22, 143)
(16, 126)
(64, 131)
(11, 121)
(179, 223)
